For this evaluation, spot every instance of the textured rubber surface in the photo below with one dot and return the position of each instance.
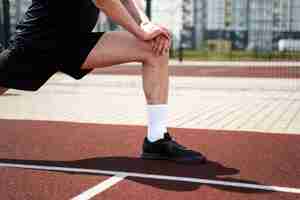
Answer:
(248, 157)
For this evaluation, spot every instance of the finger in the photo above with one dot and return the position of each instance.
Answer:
(159, 45)
(152, 44)
(167, 31)
(154, 34)
(162, 45)
(158, 32)
(167, 47)
(157, 49)
(169, 44)
(155, 45)
(166, 34)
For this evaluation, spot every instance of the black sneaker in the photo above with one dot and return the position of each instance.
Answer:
(168, 149)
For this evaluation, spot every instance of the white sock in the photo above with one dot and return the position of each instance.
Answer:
(157, 121)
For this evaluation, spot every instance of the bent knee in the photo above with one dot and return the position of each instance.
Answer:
(147, 55)
(157, 61)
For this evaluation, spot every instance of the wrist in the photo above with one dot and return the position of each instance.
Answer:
(139, 33)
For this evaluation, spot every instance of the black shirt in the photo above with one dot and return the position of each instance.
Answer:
(48, 23)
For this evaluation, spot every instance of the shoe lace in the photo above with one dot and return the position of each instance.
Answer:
(173, 142)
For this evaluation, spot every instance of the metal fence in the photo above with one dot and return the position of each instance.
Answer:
(210, 29)
(241, 29)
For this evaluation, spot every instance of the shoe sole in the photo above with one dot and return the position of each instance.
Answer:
(152, 156)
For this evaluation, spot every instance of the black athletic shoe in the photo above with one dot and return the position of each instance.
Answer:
(168, 149)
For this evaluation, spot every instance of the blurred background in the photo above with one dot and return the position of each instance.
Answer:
(207, 29)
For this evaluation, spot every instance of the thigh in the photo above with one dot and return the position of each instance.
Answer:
(73, 54)
(117, 47)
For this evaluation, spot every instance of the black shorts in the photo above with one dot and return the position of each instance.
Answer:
(27, 68)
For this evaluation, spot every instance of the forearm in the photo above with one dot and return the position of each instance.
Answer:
(136, 9)
(119, 14)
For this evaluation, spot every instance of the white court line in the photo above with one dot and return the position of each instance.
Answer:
(100, 187)
(158, 177)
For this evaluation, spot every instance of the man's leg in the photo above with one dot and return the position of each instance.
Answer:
(122, 47)
(108, 52)
(2, 90)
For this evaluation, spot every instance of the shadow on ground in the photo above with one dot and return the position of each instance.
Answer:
(211, 170)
